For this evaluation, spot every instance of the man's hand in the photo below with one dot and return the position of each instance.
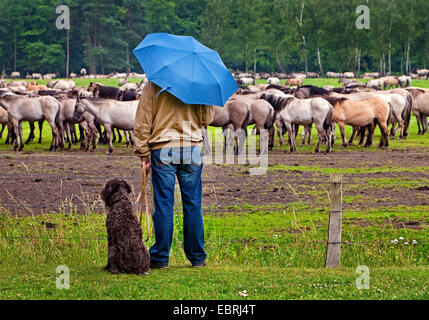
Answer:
(146, 165)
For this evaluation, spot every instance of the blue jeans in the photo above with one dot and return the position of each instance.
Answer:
(187, 164)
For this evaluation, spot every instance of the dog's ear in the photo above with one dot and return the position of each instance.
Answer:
(108, 191)
(126, 186)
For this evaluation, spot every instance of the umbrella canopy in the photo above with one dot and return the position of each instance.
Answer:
(187, 69)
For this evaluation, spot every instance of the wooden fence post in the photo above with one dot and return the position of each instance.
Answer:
(333, 253)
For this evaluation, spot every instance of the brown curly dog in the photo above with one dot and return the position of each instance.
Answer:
(126, 251)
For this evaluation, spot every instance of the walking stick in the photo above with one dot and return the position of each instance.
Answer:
(143, 191)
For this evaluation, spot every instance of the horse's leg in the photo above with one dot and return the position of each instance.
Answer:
(94, 136)
(108, 130)
(206, 143)
(120, 135)
(355, 131)
(272, 134)
(371, 129)
(321, 135)
(423, 123)
(279, 126)
(242, 137)
(384, 142)
(40, 130)
(84, 134)
(304, 136)
(343, 134)
(31, 136)
(2, 129)
(289, 127)
(131, 135)
(10, 133)
(309, 132)
(55, 135)
(362, 134)
(73, 133)
(16, 131)
(21, 147)
(61, 135)
(127, 140)
(417, 114)
(69, 136)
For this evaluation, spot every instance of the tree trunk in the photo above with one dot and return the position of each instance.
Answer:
(68, 54)
(245, 54)
(319, 60)
(91, 60)
(127, 58)
(300, 24)
(408, 68)
(390, 57)
(14, 53)
(254, 60)
(279, 63)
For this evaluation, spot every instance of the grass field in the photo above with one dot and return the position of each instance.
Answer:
(272, 250)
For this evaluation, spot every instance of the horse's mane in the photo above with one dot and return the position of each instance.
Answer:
(338, 90)
(128, 95)
(315, 91)
(334, 100)
(278, 102)
(281, 88)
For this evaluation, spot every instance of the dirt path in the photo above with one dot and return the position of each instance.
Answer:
(35, 183)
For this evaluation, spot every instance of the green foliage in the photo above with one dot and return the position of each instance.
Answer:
(253, 35)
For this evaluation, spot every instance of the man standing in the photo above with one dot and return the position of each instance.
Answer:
(168, 137)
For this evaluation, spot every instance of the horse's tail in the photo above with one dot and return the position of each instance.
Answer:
(406, 114)
(57, 116)
(390, 118)
(246, 122)
(269, 123)
(327, 125)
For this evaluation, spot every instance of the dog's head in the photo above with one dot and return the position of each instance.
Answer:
(114, 191)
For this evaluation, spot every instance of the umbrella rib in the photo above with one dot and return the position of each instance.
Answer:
(217, 80)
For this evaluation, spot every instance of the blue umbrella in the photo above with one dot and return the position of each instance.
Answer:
(187, 69)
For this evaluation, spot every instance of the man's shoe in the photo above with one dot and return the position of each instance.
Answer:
(203, 265)
(158, 266)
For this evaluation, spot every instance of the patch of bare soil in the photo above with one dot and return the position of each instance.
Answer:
(35, 183)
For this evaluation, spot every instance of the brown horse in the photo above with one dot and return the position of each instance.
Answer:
(362, 113)
(417, 108)
(234, 115)
(294, 82)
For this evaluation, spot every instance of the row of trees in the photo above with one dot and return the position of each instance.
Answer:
(250, 35)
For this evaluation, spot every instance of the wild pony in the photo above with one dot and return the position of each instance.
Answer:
(109, 113)
(100, 91)
(292, 111)
(263, 115)
(360, 114)
(235, 116)
(294, 82)
(22, 108)
(420, 110)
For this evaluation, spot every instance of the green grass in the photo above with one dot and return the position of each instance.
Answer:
(246, 251)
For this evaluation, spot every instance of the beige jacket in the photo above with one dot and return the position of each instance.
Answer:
(165, 121)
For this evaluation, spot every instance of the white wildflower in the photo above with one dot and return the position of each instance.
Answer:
(243, 294)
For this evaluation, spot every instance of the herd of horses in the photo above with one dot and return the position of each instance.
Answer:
(268, 107)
